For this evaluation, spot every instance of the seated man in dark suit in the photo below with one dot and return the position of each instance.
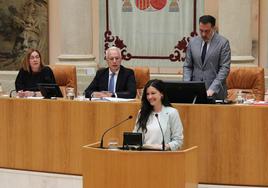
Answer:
(114, 81)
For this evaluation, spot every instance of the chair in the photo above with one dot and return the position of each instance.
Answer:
(142, 76)
(248, 80)
(65, 76)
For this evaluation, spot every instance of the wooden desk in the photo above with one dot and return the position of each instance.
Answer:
(139, 169)
(47, 135)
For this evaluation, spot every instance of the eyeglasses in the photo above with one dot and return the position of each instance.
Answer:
(34, 57)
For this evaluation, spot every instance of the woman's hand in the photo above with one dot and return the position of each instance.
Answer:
(167, 147)
(29, 93)
(23, 94)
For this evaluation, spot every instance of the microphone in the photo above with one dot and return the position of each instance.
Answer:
(11, 92)
(163, 142)
(101, 144)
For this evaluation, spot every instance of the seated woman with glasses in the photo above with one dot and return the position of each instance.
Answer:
(32, 72)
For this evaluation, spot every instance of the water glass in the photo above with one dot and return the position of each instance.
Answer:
(81, 96)
(139, 93)
(1, 89)
(239, 97)
(70, 93)
(113, 144)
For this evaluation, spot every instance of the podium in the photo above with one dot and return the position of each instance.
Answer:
(139, 169)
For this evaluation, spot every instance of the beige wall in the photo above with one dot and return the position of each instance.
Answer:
(259, 26)
(211, 8)
(95, 28)
(263, 25)
(54, 30)
(70, 32)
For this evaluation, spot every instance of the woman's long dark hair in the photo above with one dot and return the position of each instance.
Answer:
(146, 107)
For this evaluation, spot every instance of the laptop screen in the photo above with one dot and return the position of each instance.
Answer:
(49, 90)
(186, 92)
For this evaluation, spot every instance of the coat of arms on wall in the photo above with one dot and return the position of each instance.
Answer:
(151, 5)
(23, 25)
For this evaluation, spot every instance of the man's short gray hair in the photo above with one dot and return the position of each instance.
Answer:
(112, 48)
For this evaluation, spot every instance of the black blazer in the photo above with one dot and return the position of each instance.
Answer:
(28, 81)
(125, 84)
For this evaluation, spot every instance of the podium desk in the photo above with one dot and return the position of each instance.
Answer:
(142, 169)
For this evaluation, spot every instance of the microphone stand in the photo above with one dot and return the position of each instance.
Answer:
(194, 100)
(10, 93)
(101, 144)
(163, 142)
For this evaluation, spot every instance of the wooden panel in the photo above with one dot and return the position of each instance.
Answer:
(146, 169)
(47, 135)
(232, 142)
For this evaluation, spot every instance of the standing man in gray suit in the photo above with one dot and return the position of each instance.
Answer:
(208, 59)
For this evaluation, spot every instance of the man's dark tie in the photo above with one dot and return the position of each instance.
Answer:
(204, 51)
(111, 83)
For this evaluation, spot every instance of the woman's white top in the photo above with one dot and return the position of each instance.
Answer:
(153, 134)
(171, 125)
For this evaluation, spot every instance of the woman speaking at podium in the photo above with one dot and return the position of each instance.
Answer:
(157, 120)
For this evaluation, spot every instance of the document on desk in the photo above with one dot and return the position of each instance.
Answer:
(112, 99)
(35, 97)
(265, 103)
